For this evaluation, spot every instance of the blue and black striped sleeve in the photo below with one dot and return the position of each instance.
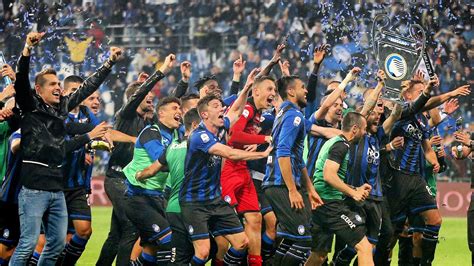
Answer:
(150, 140)
(289, 131)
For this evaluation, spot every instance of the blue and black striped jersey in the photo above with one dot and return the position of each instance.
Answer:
(314, 145)
(289, 131)
(364, 162)
(77, 173)
(415, 130)
(202, 170)
(11, 182)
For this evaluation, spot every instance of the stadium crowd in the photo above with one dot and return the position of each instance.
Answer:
(293, 90)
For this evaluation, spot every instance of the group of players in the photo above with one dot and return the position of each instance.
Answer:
(243, 180)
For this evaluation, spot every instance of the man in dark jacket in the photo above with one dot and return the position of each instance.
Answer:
(41, 200)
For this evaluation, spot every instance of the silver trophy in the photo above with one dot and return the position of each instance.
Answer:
(399, 56)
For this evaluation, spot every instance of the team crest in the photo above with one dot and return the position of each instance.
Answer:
(246, 113)
(396, 66)
(358, 218)
(227, 198)
(205, 138)
(297, 121)
(301, 230)
(191, 230)
(156, 228)
(6, 233)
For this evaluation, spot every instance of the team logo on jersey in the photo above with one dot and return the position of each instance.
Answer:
(227, 199)
(262, 118)
(414, 132)
(297, 121)
(190, 229)
(156, 228)
(6, 233)
(301, 230)
(396, 66)
(373, 156)
(246, 113)
(205, 138)
(358, 218)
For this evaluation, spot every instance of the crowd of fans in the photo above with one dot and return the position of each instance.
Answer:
(212, 34)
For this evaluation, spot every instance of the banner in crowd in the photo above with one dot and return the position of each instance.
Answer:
(453, 198)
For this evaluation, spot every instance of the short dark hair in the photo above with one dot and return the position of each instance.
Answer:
(200, 82)
(40, 80)
(165, 101)
(351, 119)
(261, 79)
(188, 97)
(283, 83)
(204, 102)
(132, 88)
(334, 81)
(192, 116)
(73, 79)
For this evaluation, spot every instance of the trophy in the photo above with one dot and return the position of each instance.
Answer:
(399, 56)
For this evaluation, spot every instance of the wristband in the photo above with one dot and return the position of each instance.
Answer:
(391, 146)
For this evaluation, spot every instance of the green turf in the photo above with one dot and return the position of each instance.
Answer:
(452, 249)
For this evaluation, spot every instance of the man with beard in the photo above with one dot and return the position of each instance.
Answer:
(335, 216)
(130, 119)
(286, 183)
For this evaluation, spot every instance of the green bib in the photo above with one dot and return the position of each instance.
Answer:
(325, 190)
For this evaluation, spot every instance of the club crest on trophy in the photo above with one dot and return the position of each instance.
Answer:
(398, 55)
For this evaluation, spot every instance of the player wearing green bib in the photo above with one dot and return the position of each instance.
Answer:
(335, 216)
(182, 246)
(145, 203)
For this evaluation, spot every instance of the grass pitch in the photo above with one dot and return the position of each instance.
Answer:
(452, 248)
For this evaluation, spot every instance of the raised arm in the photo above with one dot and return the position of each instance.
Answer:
(183, 84)
(238, 68)
(331, 99)
(93, 82)
(318, 56)
(275, 60)
(237, 107)
(24, 93)
(373, 97)
(394, 117)
(436, 101)
(131, 106)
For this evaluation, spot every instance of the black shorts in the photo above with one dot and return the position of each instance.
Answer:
(408, 195)
(214, 216)
(372, 213)
(292, 224)
(470, 224)
(335, 217)
(147, 213)
(416, 223)
(9, 224)
(182, 246)
(78, 207)
(265, 206)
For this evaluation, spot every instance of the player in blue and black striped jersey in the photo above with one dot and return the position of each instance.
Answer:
(408, 192)
(203, 209)
(286, 183)
(9, 220)
(329, 115)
